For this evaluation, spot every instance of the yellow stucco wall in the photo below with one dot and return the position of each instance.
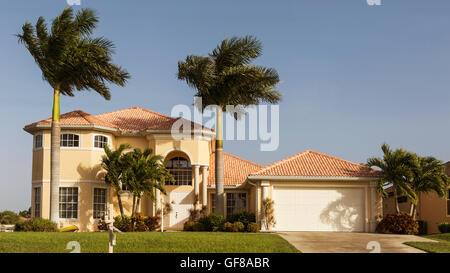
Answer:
(431, 209)
(81, 167)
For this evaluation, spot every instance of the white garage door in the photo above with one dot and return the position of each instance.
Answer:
(319, 209)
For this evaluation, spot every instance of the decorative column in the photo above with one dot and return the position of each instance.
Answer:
(196, 185)
(204, 186)
(265, 194)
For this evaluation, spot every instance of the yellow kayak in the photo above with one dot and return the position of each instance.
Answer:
(69, 229)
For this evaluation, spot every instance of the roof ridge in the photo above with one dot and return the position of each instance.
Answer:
(248, 161)
(136, 107)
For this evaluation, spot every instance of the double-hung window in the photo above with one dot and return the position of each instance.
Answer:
(37, 202)
(38, 141)
(236, 202)
(100, 141)
(68, 202)
(99, 203)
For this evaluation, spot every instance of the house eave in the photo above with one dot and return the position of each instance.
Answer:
(310, 178)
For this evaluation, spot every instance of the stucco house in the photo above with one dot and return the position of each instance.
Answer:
(311, 191)
(431, 209)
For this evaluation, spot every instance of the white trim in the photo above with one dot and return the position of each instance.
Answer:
(309, 178)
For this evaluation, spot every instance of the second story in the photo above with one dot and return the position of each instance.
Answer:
(83, 137)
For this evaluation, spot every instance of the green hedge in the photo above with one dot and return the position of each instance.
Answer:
(36, 225)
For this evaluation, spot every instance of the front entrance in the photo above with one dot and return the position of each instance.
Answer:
(181, 202)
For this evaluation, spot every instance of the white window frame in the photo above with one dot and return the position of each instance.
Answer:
(93, 200)
(78, 203)
(107, 142)
(40, 202)
(72, 148)
(235, 192)
(42, 141)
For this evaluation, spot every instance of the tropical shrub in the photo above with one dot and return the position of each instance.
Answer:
(228, 227)
(399, 223)
(444, 227)
(8, 217)
(238, 227)
(268, 213)
(211, 221)
(36, 225)
(244, 217)
(199, 227)
(152, 222)
(253, 227)
(189, 226)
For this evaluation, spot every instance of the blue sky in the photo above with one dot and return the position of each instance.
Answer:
(353, 75)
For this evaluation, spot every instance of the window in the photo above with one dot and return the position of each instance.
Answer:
(213, 202)
(38, 141)
(100, 141)
(402, 199)
(181, 170)
(70, 140)
(236, 202)
(448, 203)
(37, 202)
(99, 203)
(68, 203)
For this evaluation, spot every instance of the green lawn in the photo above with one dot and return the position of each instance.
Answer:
(442, 246)
(145, 242)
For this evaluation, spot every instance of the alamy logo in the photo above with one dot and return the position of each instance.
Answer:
(374, 2)
(259, 117)
(73, 2)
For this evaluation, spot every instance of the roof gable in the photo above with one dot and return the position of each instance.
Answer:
(312, 163)
(236, 169)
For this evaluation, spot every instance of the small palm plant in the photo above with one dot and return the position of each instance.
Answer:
(70, 59)
(428, 176)
(227, 77)
(113, 164)
(144, 173)
(396, 166)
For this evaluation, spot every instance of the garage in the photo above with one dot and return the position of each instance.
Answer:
(319, 208)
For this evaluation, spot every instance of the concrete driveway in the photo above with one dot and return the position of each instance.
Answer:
(349, 242)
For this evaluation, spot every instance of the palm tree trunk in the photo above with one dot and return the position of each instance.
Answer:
(55, 159)
(220, 207)
(119, 200)
(397, 208)
(138, 202)
(133, 205)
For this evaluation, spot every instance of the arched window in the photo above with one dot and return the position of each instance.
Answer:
(181, 170)
(70, 140)
(100, 141)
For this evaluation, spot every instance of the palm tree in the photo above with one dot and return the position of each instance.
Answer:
(428, 176)
(396, 166)
(113, 165)
(143, 173)
(227, 77)
(70, 59)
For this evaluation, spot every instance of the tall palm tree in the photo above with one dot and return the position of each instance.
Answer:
(113, 165)
(143, 173)
(428, 176)
(396, 166)
(227, 77)
(70, 59)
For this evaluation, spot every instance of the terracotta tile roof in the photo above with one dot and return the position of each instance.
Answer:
(130, 119)
(76, 117)
(236, 169)
(311, 163)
